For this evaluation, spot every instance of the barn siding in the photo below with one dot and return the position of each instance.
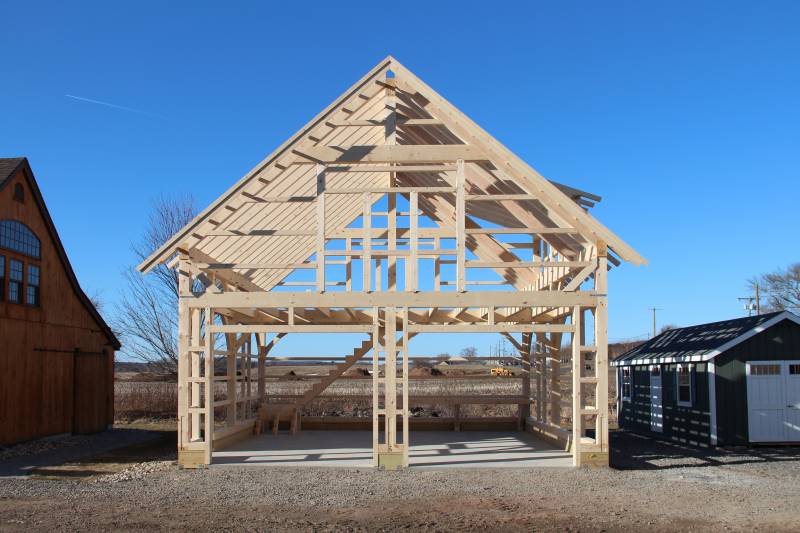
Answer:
(781, 341)
(687, 425)
(636, 412)
(37, 388)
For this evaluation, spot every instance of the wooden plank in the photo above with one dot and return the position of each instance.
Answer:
(320, 228)
(366, 261)
(390, 154)
(208, 392)
(413, 262)
(392, 190)
(528, 264)
(499, 197)
(577, 399)
(233, 300)
(461, 215)
(487, 328)
(530, 230)
(400, 168)
(184, 356)
(311, 328)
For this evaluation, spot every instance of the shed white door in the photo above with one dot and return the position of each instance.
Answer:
(792, 425)
(656, 402)
(773, 401)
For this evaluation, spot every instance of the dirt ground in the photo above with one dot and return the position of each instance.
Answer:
(653, 486)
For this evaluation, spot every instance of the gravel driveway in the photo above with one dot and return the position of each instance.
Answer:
(655, 487)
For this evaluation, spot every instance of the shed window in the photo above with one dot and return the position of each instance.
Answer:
(15, 281)
(626, 383)
(766, 370)
(684, 378)
(794, 370)
(32, 289)
(19, 193)
(17, 237)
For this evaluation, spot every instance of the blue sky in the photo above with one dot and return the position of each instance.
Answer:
(684, 116)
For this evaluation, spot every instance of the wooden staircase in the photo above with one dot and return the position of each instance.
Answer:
(276, 411)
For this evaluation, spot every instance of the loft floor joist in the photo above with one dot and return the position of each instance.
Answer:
(439, 229)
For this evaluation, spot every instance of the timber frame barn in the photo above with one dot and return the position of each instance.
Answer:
(457, 201)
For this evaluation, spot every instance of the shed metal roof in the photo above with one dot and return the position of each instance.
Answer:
(702, 342)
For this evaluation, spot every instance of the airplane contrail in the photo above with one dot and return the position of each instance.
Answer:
(115, 106)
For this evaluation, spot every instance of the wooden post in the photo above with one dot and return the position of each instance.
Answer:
(461, 214)
(527, 369)
(406, 412)
(262, 359)
(601, 346)
(230, 370)
(541, 409)
(390, 369)
(376, 383)
(348, 267)
(184, 337)
(555, 378)
(320, 228)
(577, 403)
(208, 437)
(413, 222)
(194, 372)
(391, 260)
(366, 245)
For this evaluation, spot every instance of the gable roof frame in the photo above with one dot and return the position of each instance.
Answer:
(555, 199)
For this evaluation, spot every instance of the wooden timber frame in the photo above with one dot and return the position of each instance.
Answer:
(261, 263)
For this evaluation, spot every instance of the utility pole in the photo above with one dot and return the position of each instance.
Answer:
(753, 303)
(654, 309)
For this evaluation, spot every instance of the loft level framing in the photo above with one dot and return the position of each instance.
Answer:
(393, 215)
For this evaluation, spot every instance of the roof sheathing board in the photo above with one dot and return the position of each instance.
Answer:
(362, 103)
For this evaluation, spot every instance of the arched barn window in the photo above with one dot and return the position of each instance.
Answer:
(17, 237)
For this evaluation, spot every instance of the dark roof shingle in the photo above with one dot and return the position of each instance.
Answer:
(693, 343)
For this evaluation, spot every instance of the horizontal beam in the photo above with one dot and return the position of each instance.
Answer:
(255, 266)
(489, 328)
(528, 264)
(407, 168)
(313, 328)
(259, 233)
(499, 197)
(382, 122)
(518, 231)
(384, 190)
(233, 300)
(401, 153)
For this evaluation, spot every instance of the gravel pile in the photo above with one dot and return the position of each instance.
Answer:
(136, 472)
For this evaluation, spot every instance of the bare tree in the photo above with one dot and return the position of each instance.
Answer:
(667, 327)
(443, 357)
(781, 289)
(470, 353)
(146, 316)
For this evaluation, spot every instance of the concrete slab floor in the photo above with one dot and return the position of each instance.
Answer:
(429, 449)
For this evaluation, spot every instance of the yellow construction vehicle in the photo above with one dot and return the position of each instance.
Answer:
(500, 371)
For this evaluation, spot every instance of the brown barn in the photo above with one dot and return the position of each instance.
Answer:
(56, 351)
